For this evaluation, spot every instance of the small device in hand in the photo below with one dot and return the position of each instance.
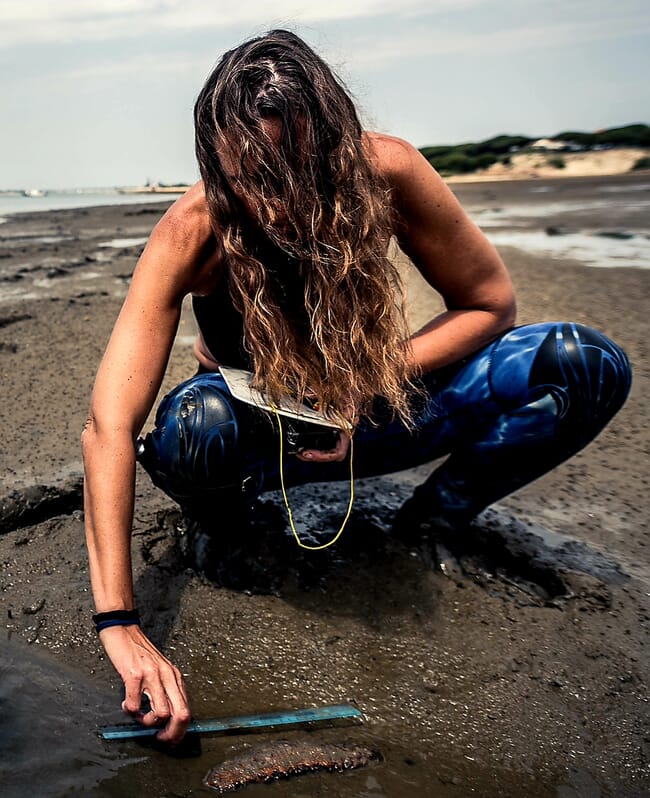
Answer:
(303, 426)
(300, 436)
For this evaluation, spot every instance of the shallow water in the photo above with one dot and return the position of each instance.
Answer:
(75, 198)
(49, 748)
(603, 223)
(592, 249)
(48, 717)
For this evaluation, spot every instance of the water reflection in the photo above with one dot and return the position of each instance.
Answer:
(48, 721)
(591, 249)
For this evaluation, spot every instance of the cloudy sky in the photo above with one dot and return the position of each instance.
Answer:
(100, 92)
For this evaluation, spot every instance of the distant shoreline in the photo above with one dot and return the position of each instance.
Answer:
(181, 188)
(522, 166)
(617, 161)
(579, 166)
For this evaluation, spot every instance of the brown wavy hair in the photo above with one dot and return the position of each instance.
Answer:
(305, 223)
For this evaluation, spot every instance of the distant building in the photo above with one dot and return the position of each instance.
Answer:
(555, 145)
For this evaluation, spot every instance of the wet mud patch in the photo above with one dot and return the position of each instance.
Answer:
(521, 562)
(5, 321)
(518, 562)
(262, 556)
(37, 503)
(258, 552)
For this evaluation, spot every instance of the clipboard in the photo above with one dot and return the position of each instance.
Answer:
(239, 385)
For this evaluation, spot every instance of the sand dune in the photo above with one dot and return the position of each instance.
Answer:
(524, 166)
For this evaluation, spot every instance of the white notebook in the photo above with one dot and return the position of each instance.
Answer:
(239, 384)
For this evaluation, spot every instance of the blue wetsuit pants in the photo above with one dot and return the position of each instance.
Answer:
(505, 415)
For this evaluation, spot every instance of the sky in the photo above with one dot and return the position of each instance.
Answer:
(101, 92)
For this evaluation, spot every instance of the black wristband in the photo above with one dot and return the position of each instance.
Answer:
(103, 620)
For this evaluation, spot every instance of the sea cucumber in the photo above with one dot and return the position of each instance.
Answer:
(284, 759)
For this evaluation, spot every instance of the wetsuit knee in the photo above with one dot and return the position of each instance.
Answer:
(593, 376)
(195, 445)
(587, 375)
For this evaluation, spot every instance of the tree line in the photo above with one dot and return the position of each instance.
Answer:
(469, 157)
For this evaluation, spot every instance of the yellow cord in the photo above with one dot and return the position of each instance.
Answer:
(286, 498)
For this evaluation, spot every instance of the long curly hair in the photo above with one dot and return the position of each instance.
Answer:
(305, 223)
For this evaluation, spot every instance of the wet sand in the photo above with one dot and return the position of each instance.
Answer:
(526, 675)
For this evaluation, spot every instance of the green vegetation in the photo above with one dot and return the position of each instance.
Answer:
(462, 158)
(456, 159)
(628, 136)
(642, 163)
(557, 161)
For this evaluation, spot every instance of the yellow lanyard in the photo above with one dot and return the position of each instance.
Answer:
(286, 499)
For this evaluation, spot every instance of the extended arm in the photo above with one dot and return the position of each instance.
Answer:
(126, 386)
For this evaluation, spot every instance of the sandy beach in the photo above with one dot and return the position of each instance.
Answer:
(526, 674)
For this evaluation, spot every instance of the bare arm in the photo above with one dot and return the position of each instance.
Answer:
(452, 254)
(126, 386)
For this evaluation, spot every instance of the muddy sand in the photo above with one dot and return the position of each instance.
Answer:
(525, 672)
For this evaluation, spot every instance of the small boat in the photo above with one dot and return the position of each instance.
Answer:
(34, 192)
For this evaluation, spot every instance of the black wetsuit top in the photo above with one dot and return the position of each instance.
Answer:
(222, 327)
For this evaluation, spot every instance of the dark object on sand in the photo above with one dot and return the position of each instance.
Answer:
(240, 722)
(284, 759)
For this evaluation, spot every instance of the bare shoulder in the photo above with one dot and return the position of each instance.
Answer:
(187, 220)
(419, 193)
(397, 159)
(182, 246)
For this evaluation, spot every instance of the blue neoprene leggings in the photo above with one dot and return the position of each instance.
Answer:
(505, 415)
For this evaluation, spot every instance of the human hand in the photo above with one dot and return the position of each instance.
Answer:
(335, 455)
(146, 672)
